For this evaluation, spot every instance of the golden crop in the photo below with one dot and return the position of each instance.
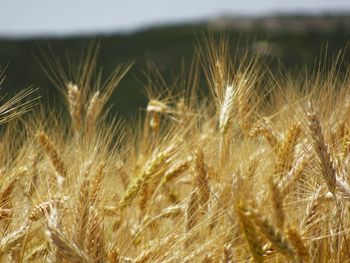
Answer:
(256, 171)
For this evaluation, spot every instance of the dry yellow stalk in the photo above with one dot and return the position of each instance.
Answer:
(52, 152)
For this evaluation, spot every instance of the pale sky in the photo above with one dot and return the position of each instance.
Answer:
(36, 17)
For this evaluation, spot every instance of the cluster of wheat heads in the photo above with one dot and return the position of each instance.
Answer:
(257, 171)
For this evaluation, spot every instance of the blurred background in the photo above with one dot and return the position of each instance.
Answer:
(290, 35)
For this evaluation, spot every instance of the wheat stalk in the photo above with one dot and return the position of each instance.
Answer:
(45, 208)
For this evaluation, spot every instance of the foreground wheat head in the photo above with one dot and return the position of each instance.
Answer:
(256, 172)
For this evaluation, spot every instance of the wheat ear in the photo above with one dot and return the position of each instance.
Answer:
(52, 152)
(7, 242)
(287, 182)
(176, 170)
(5, 194)
(92, 112)
(45, 208)
(39, 252)
(265, 130)
(226, 110)
(277, 204)
(150, 254)
(297, 241)
(191, 210)
(277, 238)
(286, 150)
(74, 104)
(113, 256)
(321, 149)
(95, 238)
(96, 185)
(152, 168)
(250, 233)
(202, 178)
(65, 248)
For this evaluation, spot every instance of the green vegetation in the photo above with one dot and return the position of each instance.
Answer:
(168, 47)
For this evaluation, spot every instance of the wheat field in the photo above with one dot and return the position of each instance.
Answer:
(257, 170)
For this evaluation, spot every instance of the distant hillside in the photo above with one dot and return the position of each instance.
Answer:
(295, 41)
